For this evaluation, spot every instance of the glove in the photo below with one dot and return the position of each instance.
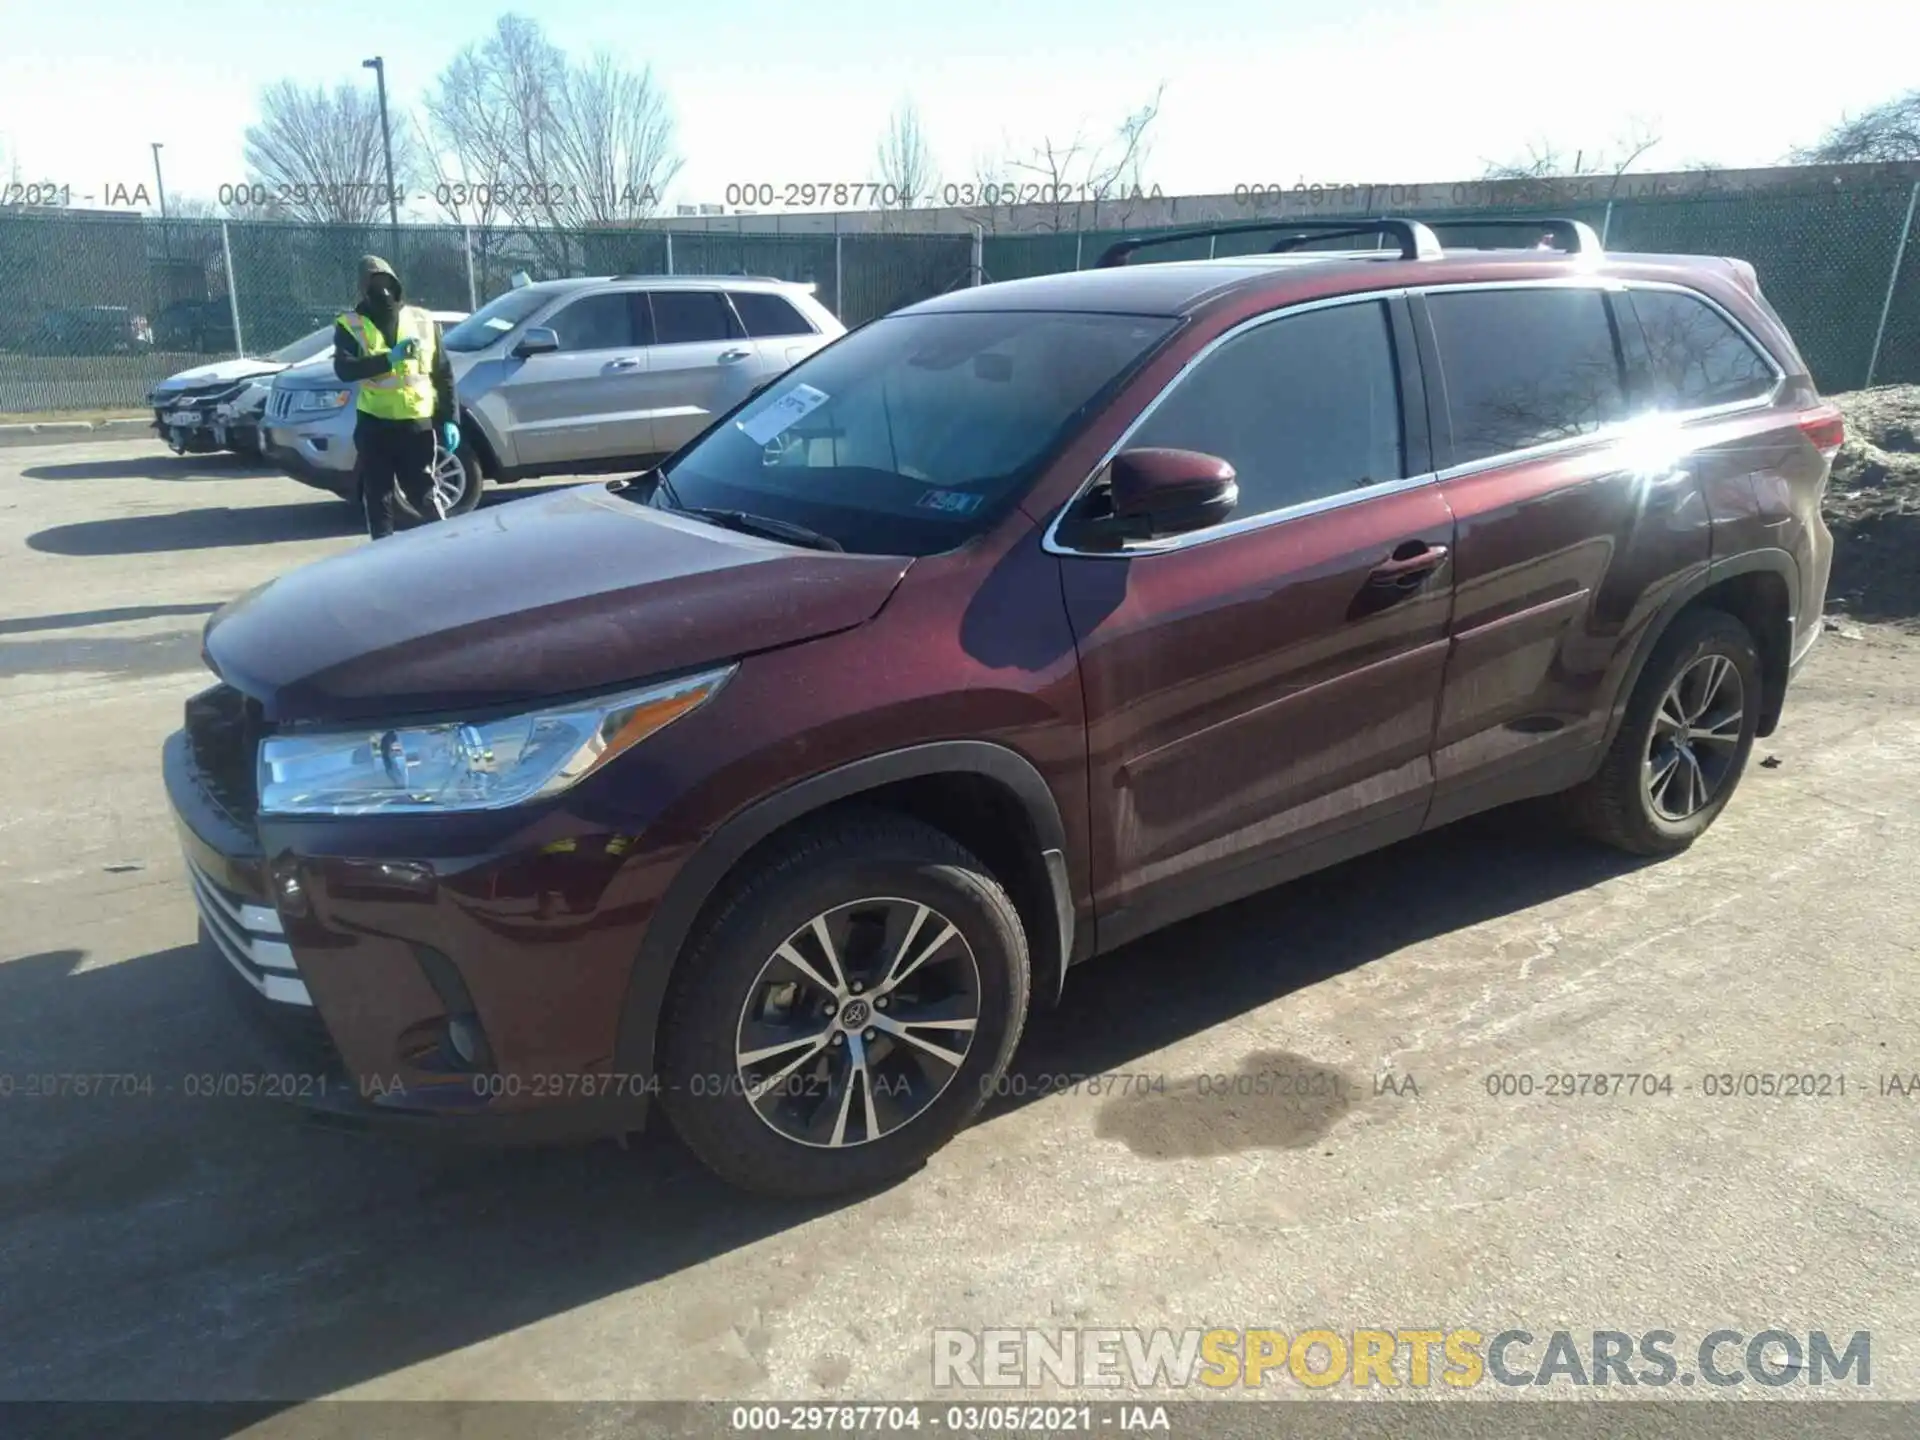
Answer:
(402, 351)
(450, 436)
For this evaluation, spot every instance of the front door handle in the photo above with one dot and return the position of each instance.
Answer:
(630, 362)
(1409, 571)
(727, 356)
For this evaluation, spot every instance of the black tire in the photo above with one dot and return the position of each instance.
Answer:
(830, 869)
(1618, 805)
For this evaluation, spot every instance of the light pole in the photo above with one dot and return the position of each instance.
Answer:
(379, 67)
(166, 238)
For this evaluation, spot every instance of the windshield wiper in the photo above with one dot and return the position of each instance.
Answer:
(765, 525)
(744, 521)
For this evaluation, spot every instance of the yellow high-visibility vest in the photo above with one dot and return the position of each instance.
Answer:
(406, 391)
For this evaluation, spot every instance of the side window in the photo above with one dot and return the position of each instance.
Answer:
(1526, 367)
(1302, 407)
(595, 322)
(765, 314)
(682, 317)
(1694, 357)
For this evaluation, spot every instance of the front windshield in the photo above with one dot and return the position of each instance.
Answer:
(304, 349)
(494, 319)
(912, 434)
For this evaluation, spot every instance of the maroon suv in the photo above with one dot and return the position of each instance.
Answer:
(778, 784)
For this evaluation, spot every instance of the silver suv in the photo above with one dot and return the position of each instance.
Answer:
(573, 376)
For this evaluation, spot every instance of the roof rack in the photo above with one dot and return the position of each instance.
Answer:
(1575, 237)
(1417, 241)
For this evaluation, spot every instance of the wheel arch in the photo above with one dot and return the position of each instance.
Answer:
(1756, 588)
(988, 797)
(473, 433)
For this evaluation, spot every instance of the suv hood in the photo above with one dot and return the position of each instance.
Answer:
(553, 596)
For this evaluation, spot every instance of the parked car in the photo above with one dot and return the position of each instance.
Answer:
(777, 785)
(91, 330)
(186, 406)
(573, 376)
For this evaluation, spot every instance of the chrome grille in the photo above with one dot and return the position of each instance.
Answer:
(250, 938)
(280, 404)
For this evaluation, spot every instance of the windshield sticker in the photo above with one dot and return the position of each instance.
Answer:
(949, 502)
(498, 322)
(790, 408)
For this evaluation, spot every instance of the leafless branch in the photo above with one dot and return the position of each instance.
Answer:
(318, 156)
(903, 161)
(1889, 132)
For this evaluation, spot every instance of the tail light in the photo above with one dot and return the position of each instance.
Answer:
(1826, 428)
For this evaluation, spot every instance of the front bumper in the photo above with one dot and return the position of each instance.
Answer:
(524, 930)
(322, 457)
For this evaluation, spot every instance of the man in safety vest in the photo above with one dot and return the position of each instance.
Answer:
(392, 351)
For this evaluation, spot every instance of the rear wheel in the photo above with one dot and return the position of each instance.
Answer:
(847, 1010)
(1684, 743)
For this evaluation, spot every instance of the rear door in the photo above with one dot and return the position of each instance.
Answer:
(702, 363)
(782, 334)
(1260, 696)
(1574, 525)
(585, 401)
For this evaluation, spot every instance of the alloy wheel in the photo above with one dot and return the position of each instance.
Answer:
(449, 481)
(858, 1022)
(1696, 738)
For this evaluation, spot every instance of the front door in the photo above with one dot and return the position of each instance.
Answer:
(586, 400)
(1261, 696)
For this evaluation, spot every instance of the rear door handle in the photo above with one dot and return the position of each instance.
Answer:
(629, 362)
(730, 355)
(1407, 572)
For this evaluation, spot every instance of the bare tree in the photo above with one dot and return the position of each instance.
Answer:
(558, 144)
(318, 156)
(903, 161)
(1544, 160)
(1887, 132)
(1074, 179)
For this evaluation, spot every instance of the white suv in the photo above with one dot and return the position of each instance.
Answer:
(576, 376)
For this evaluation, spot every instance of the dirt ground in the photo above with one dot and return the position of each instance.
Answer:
(1873, 506)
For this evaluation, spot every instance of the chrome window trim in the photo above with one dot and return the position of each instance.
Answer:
(1607, 435)
(1050, 541)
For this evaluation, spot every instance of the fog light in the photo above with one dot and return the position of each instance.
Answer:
(463, 1038)
(290, 894)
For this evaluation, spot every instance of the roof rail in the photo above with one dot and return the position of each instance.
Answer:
(707, 275)
(1575, 237)
(1417, 241)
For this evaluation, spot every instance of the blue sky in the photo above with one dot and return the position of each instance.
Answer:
(1365, 91)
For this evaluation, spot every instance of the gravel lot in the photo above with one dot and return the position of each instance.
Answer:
(180, 1247)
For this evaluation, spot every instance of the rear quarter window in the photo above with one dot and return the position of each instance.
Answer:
(1695, 357)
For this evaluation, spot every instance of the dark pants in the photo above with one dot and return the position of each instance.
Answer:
(394, 454)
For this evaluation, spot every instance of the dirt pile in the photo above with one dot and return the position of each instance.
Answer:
(1873, 506)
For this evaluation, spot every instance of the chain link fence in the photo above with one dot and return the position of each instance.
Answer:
(104, 306)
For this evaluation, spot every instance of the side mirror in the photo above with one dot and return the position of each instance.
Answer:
(1154, 493)
(537, 341)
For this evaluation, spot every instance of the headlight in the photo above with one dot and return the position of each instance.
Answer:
(483, 766)
(324, 399)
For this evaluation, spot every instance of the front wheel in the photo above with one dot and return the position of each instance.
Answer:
(457, 483)
(1684, 742)
(846, 1012)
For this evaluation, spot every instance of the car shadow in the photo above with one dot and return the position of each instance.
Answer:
(119, 615)
(161, 466)
(170, 1244)
(211, 528)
